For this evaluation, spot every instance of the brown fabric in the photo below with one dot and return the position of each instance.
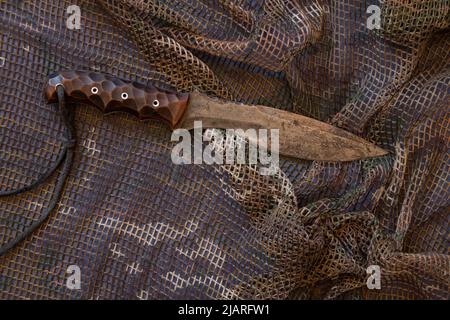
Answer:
(141, 227)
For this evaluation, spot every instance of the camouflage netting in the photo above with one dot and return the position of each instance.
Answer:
(140, 227)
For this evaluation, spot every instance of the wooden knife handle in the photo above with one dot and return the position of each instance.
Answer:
(111, 94)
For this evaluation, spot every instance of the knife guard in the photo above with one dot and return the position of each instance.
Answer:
(111, 94)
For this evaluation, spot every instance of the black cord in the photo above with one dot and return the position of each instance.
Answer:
(39, 180)
(66, 155)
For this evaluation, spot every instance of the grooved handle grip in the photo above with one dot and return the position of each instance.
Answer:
(111, 94)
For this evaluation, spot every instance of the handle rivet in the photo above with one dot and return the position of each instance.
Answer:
(94, 90)
(156, 103)
(124, 95)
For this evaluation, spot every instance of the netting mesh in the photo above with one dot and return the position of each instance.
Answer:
(140, 227)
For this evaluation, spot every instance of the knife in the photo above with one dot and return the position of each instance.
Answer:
(299, 136)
